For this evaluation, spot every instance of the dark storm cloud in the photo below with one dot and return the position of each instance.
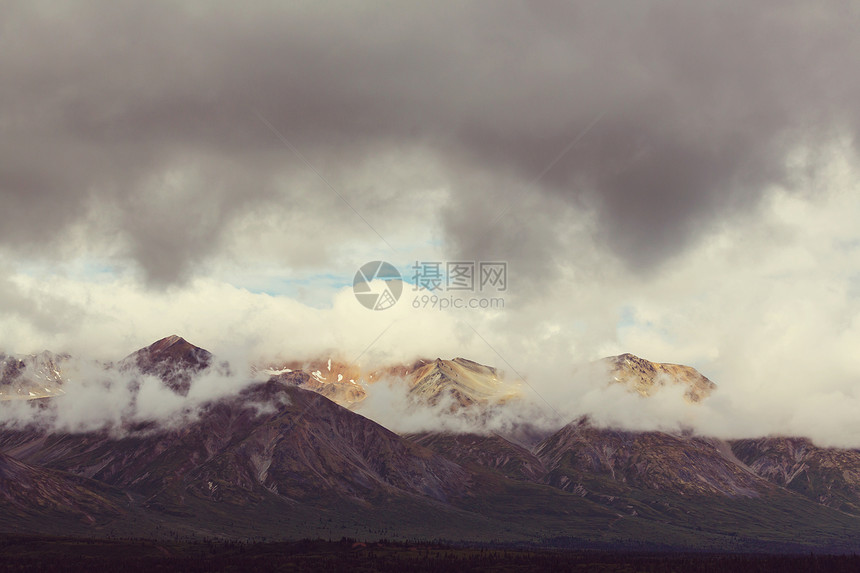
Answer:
(139, 118)
(698, 109)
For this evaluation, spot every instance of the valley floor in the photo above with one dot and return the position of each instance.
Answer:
(132, 555)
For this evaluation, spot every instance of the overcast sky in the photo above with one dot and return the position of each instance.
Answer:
(673, 179)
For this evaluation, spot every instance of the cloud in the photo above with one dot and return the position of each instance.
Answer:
(102, 397)
(390, 403)
(154, 148)
(767, 309)
(670, 179)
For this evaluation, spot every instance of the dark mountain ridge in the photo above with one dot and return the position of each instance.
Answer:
(275, 457)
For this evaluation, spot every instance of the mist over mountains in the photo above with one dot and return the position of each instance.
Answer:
(171, 378)
(290, 447)
(672, 180)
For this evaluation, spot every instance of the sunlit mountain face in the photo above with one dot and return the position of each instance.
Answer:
(648, 377)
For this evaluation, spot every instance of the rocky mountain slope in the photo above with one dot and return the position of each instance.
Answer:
(340, 383)
(31, 377)
(278, 457)
(830, 476)
(584, 459)
(271, 436)
(493, 451)
(465, 381)
(646, 377)
(42, 496)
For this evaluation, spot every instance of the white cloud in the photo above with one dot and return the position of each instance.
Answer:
(766, 304)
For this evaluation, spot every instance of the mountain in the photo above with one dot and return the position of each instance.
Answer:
(661, 489)
(276, 459)
(465, 381)
(273, 458)
(311, 446)
(468, 383)
(31, 377)
(646, 377)
(583, 459)
(271, 436)
(688, 481)
(429, 381)
(173, 359)
(830, 476)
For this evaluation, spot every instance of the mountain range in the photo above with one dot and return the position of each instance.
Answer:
(286, 457)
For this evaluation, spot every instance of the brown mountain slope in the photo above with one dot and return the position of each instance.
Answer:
(510, 459)
(829, 476)
(26, 491)
(585, 459)
(312, 446)
(272, 436)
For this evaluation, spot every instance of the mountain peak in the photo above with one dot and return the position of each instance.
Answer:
(467, 381)
(646, 377)
(168, 342)
(170, 347)
(174, 360)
